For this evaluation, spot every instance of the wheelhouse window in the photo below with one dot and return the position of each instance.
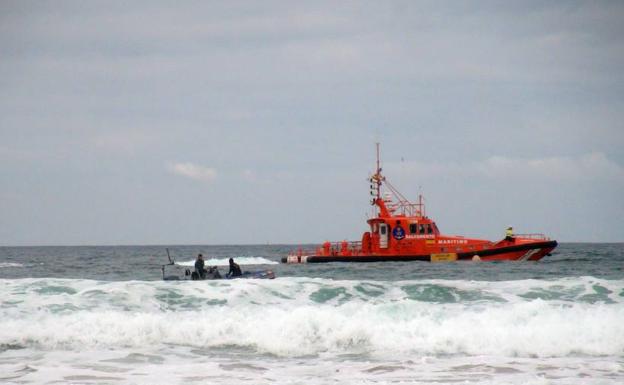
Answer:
(421, 229)
(413, 227)
(429, 229)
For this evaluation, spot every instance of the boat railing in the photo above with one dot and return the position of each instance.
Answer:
(343, 248)
(335, 248)
(532, 236)
(406, 208)
(302, 252)
(403, 205)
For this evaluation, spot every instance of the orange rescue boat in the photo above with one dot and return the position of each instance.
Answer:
(401, 231)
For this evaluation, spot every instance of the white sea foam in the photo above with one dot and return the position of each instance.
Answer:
(211, 261)
(10, 264)
(528, 329)
(175, 364)
(298, 316)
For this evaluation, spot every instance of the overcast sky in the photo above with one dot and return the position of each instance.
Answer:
(254, 122)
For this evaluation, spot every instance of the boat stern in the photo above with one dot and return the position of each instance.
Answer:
(522, 247)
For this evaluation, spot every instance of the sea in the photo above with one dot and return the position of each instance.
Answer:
(103, 315)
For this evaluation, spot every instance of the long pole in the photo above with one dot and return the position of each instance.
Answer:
(378, 173)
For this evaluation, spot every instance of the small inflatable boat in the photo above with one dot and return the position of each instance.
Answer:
(211, 273)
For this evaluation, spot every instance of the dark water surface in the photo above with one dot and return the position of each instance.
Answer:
(120, 263)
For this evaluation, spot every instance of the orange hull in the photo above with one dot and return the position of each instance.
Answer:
(533, 250)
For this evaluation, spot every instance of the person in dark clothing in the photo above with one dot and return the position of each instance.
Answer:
(199, 266)
(235, 270)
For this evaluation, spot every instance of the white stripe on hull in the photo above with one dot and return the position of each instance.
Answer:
(528, 255)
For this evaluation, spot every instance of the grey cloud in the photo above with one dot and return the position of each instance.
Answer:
(95, 97)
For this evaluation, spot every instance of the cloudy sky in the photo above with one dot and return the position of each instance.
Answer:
(254, 122)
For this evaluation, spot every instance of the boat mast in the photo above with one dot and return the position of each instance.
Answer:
(403, 205)
(376, 181)
(378, 173)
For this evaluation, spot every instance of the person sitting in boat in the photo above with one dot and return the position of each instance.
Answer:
(235, 270)
(199, 266)
(509, 233)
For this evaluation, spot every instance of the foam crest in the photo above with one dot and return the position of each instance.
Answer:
(33, 294)
(527, 329)
(300, 316)
(10, 264)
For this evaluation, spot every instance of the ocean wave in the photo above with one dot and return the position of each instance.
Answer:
(298, 316)
(295, 291)
(527, 329)
(10, 264)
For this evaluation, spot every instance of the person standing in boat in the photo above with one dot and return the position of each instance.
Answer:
(235, 270)
(509, 233)
(199, 266)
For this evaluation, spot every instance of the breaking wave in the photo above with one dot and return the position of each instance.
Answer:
(10, 264)
(301, 316)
